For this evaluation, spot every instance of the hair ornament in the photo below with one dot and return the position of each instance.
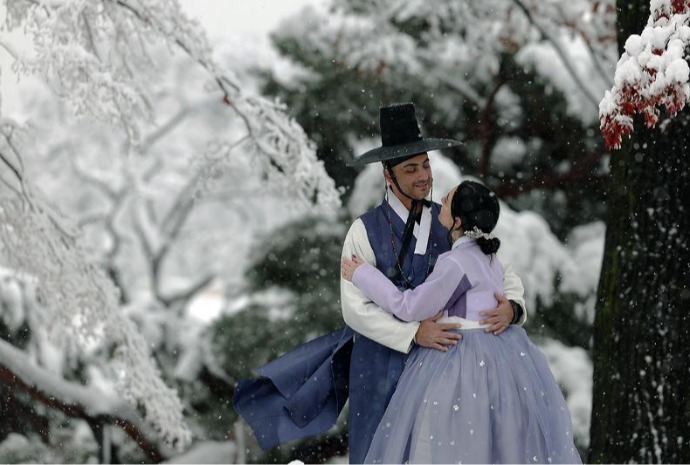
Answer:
(477, 233)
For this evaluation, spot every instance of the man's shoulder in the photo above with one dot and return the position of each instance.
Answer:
(356, 227)
(371, 213)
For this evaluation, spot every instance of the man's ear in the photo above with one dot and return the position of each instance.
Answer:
(387, 176)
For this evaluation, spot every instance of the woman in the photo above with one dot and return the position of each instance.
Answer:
(489, 399)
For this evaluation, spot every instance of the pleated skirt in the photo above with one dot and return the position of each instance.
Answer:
(489, 399)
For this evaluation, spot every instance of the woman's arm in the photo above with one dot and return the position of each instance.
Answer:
(414, 304)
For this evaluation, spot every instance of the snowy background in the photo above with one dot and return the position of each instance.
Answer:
(137, 183)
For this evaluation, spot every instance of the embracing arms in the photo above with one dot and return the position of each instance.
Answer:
(369, 320)
(413, 304)
(359, 312)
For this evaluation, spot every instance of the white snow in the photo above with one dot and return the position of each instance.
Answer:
(217, 240)
(208, 452)
(507, 152)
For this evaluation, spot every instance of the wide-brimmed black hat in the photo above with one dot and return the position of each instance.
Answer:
(400, 137)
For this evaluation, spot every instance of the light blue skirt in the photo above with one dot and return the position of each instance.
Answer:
(489, 399)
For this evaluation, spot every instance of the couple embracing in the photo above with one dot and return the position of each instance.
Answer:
(434, 359)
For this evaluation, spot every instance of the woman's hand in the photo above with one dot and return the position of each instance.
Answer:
(349, 266)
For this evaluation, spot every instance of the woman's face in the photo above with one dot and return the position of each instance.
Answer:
(445, 217)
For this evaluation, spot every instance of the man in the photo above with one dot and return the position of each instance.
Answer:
(402, 237)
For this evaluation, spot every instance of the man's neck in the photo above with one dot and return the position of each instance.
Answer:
(407, 202)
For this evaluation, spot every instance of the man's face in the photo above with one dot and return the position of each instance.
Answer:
(414, 177)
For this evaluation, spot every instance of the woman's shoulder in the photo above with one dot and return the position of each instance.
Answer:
(467, 255)
(453, 257)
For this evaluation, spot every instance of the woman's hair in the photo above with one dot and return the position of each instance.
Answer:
(477, 207)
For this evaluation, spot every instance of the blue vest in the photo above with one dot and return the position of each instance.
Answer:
(302, 392)
(374, 368)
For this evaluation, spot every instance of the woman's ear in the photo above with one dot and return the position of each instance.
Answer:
(457, 223)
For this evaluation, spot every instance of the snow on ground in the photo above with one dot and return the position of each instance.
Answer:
(208, 452)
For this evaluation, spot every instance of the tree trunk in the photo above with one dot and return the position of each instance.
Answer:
(641, 393)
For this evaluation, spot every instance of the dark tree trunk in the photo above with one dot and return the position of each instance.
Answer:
(641, 395)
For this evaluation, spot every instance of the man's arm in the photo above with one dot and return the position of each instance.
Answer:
(360, 313)
(514, 291)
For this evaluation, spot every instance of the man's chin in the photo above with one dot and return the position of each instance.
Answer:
(422, 194)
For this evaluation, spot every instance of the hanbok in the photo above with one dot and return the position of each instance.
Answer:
(488, 399)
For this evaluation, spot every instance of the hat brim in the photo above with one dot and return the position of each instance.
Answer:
(403, 150)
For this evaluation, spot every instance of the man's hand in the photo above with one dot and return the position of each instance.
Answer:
(437, 335)
(498, 318)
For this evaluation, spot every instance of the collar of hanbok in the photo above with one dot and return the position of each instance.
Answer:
(422, 230)
(463, 240)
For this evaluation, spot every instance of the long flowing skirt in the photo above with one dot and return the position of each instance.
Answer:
(489, 399)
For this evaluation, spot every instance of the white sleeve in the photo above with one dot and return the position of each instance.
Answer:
(359, 312)
(513, 290)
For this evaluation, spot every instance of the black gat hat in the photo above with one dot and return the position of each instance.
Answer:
(400, 137)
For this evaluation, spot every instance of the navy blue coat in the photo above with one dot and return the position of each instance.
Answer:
(298, 394)
(302, 392)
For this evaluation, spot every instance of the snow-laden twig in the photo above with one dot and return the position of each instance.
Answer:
(82, 306)
(562, 54)
(95, 54)
(68, 39)
(80, 303)
(652, 73)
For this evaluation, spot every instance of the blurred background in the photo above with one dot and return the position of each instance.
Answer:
(214, 261)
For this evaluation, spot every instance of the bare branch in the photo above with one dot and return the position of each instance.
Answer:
(182, 298)
(164, 129)
(458, 85)
(582, 174)
(91, 179)
(90, 36)
(14, 171)
(485, 128)
(560, 52)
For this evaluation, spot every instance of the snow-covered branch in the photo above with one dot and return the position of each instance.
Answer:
(100, 56)
(562, 54)
(81, 305)
(76, 400)
(67, 46)
(652, 73)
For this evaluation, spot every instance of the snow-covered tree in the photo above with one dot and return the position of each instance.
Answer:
(518, 81)
(640, 412)
(138, 193)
